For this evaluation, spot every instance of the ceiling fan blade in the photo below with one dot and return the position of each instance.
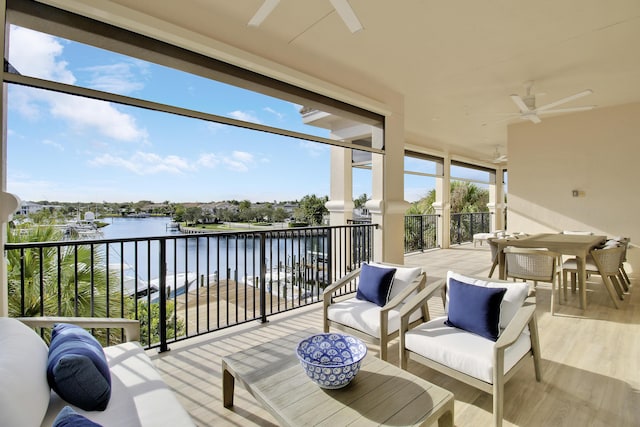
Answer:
(262, 13)
(567, 110)
(520, 103)
(347, 14)
(564, 100)
(532, 117)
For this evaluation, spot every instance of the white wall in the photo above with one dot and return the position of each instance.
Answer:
(595, 152)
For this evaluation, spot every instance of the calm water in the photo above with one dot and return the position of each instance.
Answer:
(120, 228)
(227, 257)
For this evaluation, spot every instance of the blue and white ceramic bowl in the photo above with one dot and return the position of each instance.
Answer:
(331, 360)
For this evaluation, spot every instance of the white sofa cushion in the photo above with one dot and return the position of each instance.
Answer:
(461, 350)
(511, 302)
(365, 316)
(139, 396)
(404, 277)
(24, 394)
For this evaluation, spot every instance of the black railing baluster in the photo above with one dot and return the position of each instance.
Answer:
(262, 283)
(162, 326)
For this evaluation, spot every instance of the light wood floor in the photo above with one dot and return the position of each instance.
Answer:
(590, 360)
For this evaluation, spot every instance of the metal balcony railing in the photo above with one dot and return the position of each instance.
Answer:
(465, 225)
(186, 285)
(420, 232)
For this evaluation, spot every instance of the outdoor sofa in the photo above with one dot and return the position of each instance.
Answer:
(138, 395)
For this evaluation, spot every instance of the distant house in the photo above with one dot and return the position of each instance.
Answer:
(289, 207)
(27, 208)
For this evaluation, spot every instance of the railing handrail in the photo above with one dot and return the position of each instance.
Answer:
(26, 245)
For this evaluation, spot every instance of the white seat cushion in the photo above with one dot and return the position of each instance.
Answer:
(365, 316)
(462, 351)
(139, 396)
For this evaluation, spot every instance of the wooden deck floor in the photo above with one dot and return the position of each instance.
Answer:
(590, 360)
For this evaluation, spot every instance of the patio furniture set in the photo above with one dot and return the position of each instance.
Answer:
(488, 332)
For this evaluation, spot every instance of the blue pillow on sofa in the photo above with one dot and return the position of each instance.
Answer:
(375, 284)
(67, 417)
(77, 368)
(475, 309)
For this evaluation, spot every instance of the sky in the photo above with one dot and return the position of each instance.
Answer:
(65, 148)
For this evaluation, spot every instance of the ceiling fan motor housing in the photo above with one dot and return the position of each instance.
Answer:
(530, 101)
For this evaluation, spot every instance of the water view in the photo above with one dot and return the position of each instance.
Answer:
(192, 260)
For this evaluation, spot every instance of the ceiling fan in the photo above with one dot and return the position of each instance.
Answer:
(341, 6)
(529, 111)
(497, 157)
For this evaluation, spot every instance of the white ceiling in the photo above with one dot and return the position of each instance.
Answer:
(455, 62)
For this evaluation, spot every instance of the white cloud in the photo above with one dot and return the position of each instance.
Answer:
(215, 127)
(35, 54)
(244, 116)
(143, 163)
(117, 78)
(39, 55)
(239, 161)
(88, 114)
(313, 149)
(279, 115)
(208, 160)
(242, 156)
(53, 144)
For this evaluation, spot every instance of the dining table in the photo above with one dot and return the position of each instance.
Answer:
(575, 245)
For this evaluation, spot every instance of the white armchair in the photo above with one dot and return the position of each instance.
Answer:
(368, 320)
(479, 361)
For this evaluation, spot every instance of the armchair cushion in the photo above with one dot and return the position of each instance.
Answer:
(374, 284)
(511, 302)
(77, 368)
(475, 309)
(462, 351)
(403, 277)
(364, 316)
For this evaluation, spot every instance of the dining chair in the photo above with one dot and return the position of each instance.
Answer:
(536, 265)
(494, 255)
(624, 277)
(487, 334)
(603, 261)
(373, 313)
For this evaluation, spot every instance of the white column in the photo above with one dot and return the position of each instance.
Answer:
(442, 205)
(340, 204)
(496, 201)
(387, 205)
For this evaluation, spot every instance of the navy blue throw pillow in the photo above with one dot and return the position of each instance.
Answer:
(375, 284)
(70, 418)
(475, 309)
(77, 368)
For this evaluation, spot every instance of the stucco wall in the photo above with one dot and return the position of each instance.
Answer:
(595, 152)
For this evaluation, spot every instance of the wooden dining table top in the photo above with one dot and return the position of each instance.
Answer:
(567, 244)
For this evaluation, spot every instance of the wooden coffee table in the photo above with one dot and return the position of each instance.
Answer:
(381, 393)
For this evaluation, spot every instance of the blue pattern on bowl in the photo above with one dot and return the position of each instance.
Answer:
(331, 360)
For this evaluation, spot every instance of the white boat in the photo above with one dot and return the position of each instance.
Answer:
(279, 282)
(83, 229)
(177, 284)
(132, 285)
(273, 277)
